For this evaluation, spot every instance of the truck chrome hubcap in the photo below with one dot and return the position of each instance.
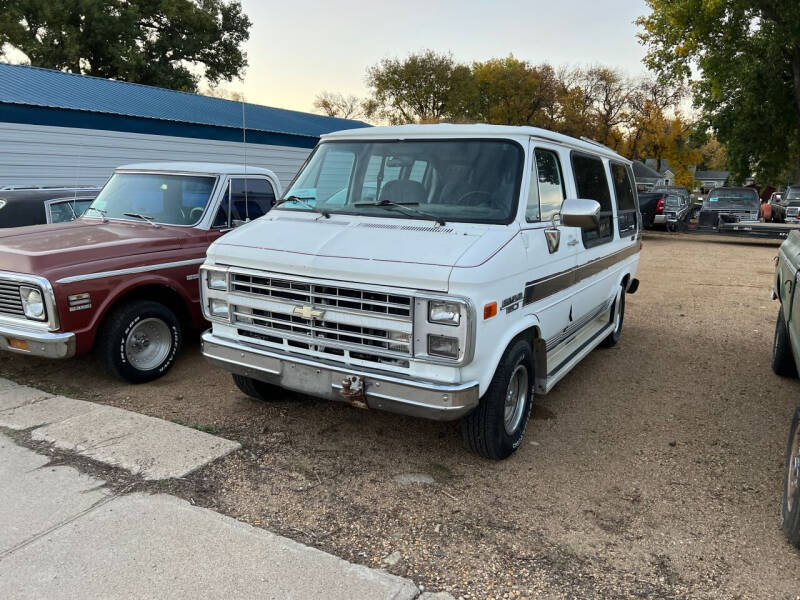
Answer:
(516, 399)
(793, 475)
(617, 311)
(148, 344)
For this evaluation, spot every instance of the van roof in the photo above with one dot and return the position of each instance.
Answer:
(479, 130)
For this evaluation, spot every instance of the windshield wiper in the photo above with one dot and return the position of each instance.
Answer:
(102, 212)
(304, 202)
(147, 218)
(404, 206)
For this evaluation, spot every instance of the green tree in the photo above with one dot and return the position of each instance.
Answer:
(426, 87)
(170, 44)
(514, 92)
(746, 54)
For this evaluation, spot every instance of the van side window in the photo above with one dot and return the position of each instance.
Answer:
(251, 198)
(592, 184)
(626, 198)
(546, 191)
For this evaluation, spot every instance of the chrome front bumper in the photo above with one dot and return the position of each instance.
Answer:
(425, 399)
(40, 343)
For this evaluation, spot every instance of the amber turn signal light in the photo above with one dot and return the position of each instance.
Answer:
(490, 310)
(18, 344)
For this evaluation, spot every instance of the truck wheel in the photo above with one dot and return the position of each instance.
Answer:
(496, 427)
(782, 358)
(257, 389)
(790, 503)
(139, 341)
(618, 317)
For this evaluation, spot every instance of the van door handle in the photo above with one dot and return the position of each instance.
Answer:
(572, 243)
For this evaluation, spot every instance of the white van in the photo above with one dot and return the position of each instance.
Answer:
(439, 271)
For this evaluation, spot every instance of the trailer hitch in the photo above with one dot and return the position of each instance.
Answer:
(353, 391)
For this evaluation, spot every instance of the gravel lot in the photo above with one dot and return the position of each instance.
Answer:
(653, 470)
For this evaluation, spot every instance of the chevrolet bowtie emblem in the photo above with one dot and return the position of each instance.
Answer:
(308, 312)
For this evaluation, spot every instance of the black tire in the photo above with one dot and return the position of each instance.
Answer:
(782, 358)
(121, 323)
(484, 429)
(612, 338)
(257, 389)
(790, 501)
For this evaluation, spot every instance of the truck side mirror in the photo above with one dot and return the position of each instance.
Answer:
(576, 212)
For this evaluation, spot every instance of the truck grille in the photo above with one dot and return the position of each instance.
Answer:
(359, 327)
(10, 302)
(792, 211)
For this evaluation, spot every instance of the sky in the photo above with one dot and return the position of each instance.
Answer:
(299, 48)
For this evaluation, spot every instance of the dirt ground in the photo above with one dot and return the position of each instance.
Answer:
(653, 470)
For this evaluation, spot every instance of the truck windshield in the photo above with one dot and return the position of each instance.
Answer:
(793, 194)
(448, 180)
(727, 196)
(159, 198)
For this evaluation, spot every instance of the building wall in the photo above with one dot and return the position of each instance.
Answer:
(47, 155)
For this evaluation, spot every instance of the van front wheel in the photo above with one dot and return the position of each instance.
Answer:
(496, 427)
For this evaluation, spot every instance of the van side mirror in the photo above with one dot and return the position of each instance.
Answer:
(576, 212)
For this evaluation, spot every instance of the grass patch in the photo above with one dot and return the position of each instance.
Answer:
(212, 429)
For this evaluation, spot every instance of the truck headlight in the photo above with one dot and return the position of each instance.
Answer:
(218, 309)
(217, 280)
(442, 345)
(444, 313)
(32, 303)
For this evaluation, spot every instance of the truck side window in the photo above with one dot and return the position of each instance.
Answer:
(592, 184)
(546, 191)
(626, 199)
(251, 198)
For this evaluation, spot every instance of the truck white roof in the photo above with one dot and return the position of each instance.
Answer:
(479, 130)
(204, 168)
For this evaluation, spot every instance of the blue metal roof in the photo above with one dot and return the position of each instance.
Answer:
(34, 86)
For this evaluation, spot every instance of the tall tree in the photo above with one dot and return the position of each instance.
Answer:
(514, 92)
(168, 44)
(747, 56)
(423, 88)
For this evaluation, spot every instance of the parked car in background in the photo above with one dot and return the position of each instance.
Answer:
(674, 189)
(651, 207)
(785, 357)
(123, 277)
(730, 205)
(36, 206)
(676, 210)
(792, 204)
(442, 271)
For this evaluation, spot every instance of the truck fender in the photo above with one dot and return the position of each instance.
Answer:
(126, 286)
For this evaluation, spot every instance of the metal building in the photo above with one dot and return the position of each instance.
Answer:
(65, 129)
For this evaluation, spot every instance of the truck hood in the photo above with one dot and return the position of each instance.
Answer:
(393, 252)
(39, 249)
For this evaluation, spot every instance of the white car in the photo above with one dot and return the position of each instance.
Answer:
(440, 271)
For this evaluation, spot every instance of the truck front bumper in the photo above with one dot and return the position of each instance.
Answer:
(425, 399)
(36, 343)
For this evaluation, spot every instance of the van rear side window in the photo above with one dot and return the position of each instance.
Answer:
(592, 184)
(626, 201)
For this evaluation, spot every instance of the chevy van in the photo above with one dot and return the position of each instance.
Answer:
(439, 271)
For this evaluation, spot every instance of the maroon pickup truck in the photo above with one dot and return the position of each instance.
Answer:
(123, 278)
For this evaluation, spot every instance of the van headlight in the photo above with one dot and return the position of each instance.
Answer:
(444, 312)
(217, 280)
(444, 330)
(218, 309)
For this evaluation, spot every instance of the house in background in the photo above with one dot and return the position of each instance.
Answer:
(711, 179)
(646, 177)
(64, 129)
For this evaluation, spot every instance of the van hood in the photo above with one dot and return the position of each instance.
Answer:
(39, 249)
(393, 252)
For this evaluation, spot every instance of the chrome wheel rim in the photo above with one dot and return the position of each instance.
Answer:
(516, 399)
(148, 344)
(793, 470)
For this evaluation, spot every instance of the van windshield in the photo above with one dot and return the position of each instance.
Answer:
(451, 180)
(155, 197)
